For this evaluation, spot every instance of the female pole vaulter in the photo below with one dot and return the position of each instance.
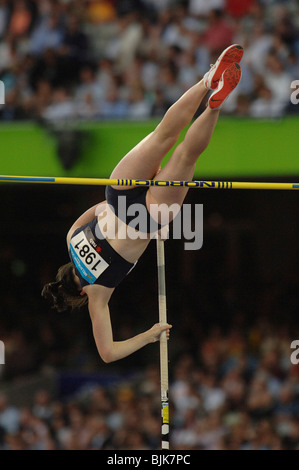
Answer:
(98, 263)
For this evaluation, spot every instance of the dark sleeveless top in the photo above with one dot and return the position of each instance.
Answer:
(94, 259)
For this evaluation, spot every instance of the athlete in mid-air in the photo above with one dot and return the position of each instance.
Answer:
(98, 263)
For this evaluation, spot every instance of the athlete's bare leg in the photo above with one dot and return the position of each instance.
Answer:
(144, 160)
(181, 165)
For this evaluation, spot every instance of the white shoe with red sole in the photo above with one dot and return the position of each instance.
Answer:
(233, 54)
(228, 82)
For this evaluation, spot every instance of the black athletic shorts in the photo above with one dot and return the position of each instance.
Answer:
(136, 195)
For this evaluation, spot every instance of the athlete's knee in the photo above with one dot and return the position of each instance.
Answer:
(192, 150)
(166, 136)
(186, 155)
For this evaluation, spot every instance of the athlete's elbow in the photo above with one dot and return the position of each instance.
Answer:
(107, 356)
(106, 359)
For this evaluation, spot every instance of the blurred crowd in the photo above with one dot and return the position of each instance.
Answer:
(233, 384)
(241, 392)
(131, 59)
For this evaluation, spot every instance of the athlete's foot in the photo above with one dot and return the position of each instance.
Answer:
(228, 82)
(233, 54)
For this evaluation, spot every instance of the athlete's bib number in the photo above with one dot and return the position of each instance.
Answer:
(88, 261)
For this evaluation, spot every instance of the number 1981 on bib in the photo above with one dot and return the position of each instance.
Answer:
(87, 254)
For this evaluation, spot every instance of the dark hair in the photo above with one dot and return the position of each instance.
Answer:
(64, 293)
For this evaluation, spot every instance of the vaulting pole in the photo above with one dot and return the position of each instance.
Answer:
(163, 346)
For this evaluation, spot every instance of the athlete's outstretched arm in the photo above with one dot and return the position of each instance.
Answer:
(109, 349)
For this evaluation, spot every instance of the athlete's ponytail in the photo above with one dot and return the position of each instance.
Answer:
(63, 293)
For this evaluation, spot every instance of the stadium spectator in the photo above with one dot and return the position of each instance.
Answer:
(47, 35)
(4, 15)
(21, 20)
(238, 9)
(203, 8)
(219, 33)
(61, 108)
(9, 416)
(113, 107)
(75, 42)
(266, 106)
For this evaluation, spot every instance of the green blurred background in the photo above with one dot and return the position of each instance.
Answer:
(239, 148)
